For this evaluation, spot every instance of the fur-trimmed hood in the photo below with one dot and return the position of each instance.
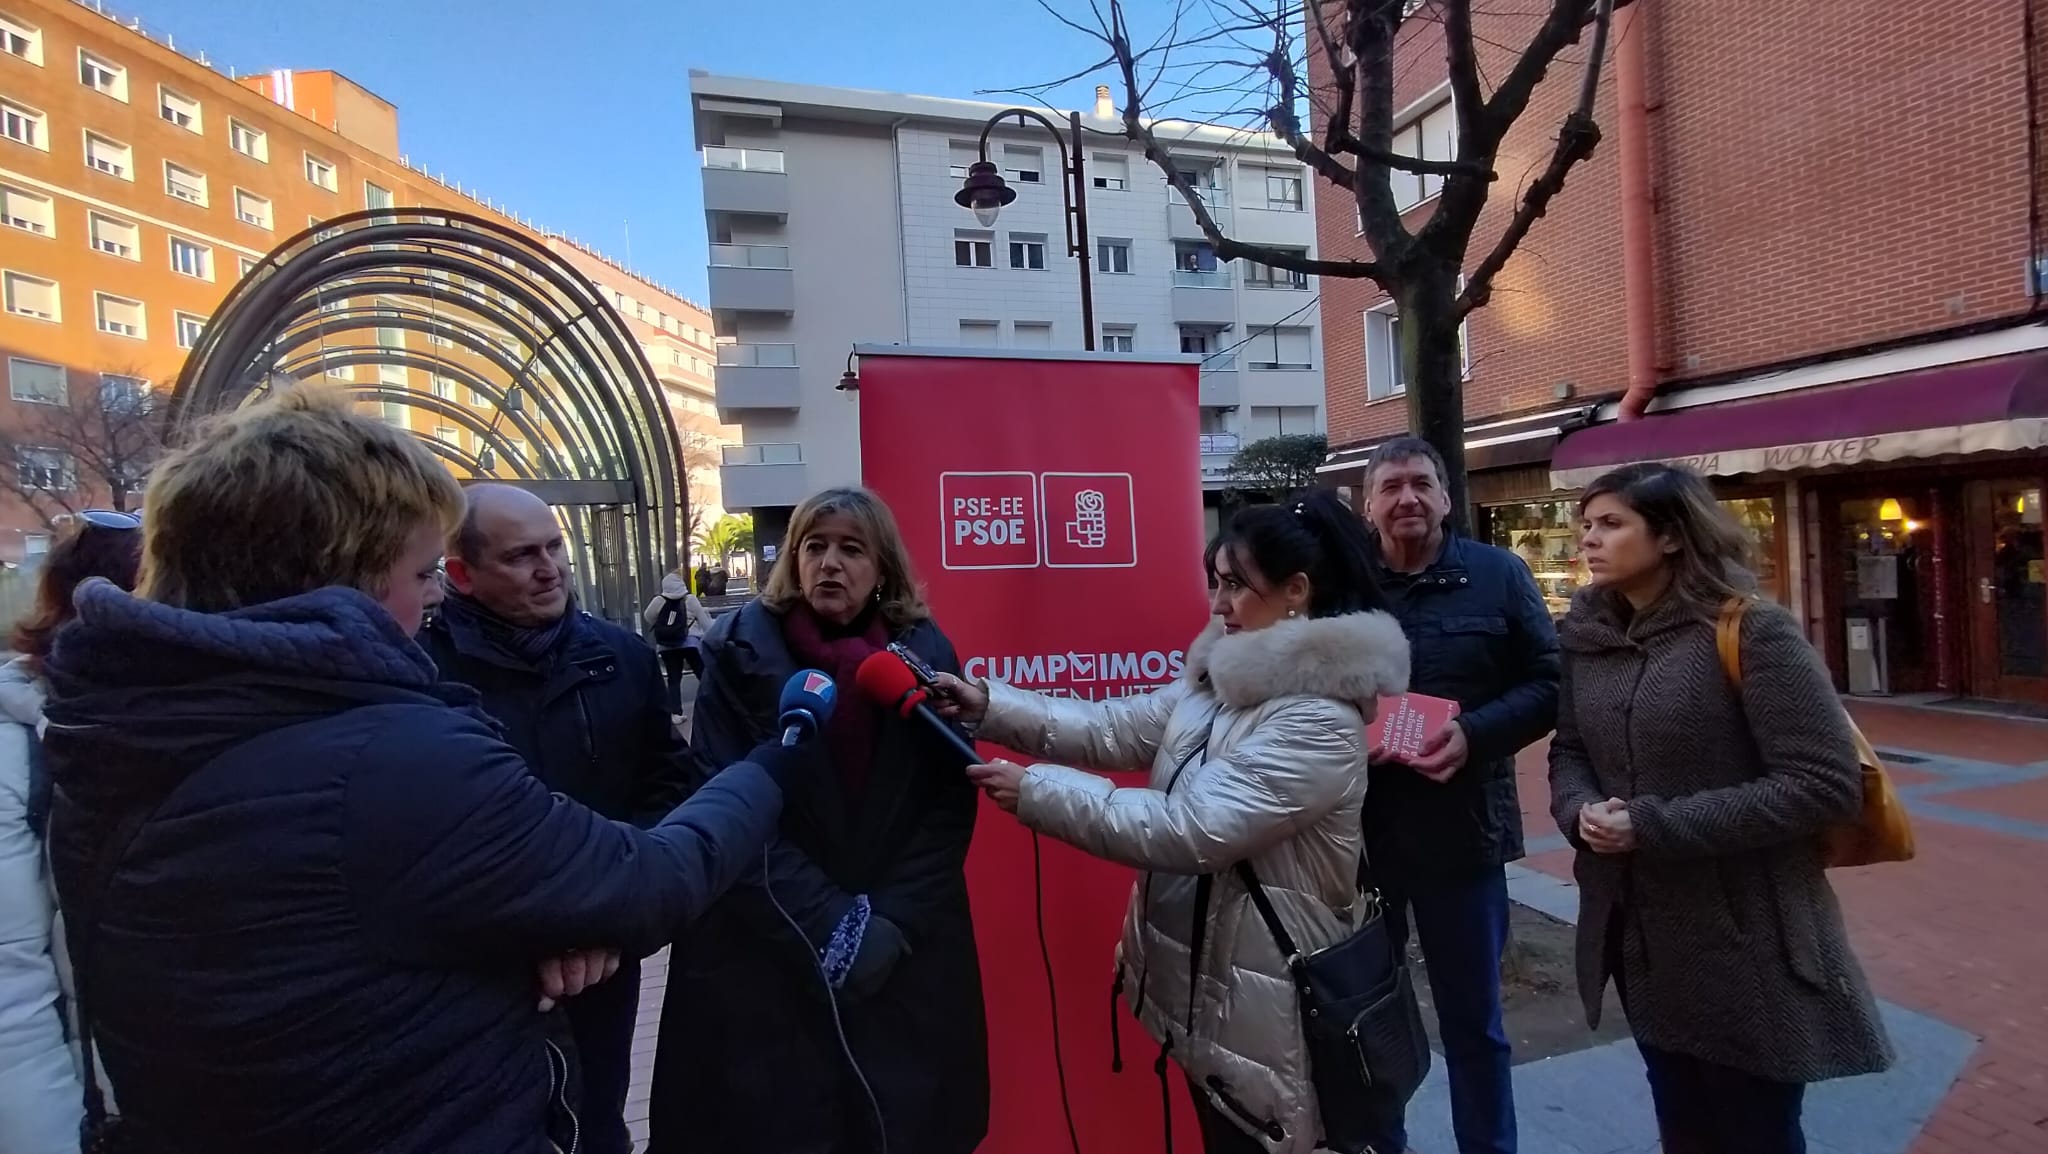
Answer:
(1357, 657)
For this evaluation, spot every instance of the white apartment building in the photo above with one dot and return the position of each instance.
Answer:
(832, 222)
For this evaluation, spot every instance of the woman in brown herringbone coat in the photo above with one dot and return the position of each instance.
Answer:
(1696, 806)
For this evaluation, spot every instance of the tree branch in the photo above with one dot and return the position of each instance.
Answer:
(1575, 142)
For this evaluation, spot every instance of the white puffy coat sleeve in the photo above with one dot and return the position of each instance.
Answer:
(1303, 760)
(1122, 734)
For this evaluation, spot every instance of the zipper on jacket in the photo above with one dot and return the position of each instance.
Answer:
(558, 1095)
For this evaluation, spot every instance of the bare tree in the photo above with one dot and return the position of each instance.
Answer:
(96, 447)
(1256, 52)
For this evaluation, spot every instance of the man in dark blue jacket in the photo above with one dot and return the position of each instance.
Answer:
(584, 703)
(1441, 828)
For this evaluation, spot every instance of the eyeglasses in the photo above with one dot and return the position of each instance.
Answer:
(109, 519)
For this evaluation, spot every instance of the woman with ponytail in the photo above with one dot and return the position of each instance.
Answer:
(1257, 755)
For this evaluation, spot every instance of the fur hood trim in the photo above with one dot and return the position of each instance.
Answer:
(1358, 657)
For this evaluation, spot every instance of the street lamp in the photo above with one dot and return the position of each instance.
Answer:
(985, 194)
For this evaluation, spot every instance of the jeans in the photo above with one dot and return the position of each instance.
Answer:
(1703, 1108)
(602, 1019)
(1463, 924)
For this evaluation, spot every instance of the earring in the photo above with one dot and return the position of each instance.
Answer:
(1292, 613)
(878, 594)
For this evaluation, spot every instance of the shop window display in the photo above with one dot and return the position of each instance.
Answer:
(1545, 535)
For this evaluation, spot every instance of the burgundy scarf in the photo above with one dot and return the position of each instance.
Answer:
(839, 650)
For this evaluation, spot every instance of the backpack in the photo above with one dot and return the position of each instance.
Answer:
(1881, 832)
(672, 628)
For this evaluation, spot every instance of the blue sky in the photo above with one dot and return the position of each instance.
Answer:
(582, 124)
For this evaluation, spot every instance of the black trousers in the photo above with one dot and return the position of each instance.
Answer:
(674, 663)
(602, 1019)
(1704, 1108)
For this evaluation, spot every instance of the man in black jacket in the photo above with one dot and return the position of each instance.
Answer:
(584, 703)
(1441, 828)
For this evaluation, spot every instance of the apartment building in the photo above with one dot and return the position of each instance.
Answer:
(1808, 254)
(138, 184)
(832, 221)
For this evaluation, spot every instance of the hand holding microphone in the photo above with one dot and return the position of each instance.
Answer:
(957, 700)
(887, 681)
(808, 698)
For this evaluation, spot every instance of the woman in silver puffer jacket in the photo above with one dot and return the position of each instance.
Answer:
(1257, 754)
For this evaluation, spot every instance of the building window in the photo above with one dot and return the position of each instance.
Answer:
(1285, 348)
(1263, 276)
(1023, 163)
(394, 414)
(1433, 135)
(961, 154)
(974, 249)
(320, 172)
(341, 372)
(1027, 251)
(103, 76)
(120, 316)
(1386, 370)
(1033, 334)
(44, 470)
(184, 184)
(190, 258)
(1113, 256)
(1283, 189)
(37, 382)
(1118, 338)
(1281, 421)
(1200, 340)
(253, 143)
(314, 222)
(1112, 171)
(390, 338)
(118, 391)
(180, 110)
(448, 435)
(444, 387)
(109, 156)
(21, 39)
(439, 341)
(375, 198)
(478, 400)
(979, 334)
(27, 211)
(246, 264)
(23, 125)
(253, 209)
(391, 374)
(114, 236)
(30, 296)
(189, 328)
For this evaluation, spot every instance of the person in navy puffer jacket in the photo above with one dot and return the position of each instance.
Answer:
(329, 885)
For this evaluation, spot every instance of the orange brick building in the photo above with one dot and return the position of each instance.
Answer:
(1840, 315)
(137, 185)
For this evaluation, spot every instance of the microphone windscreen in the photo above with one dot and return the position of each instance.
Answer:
(811, 692)
(884, 679)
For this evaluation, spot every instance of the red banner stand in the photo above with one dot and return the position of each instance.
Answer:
(1053, 509)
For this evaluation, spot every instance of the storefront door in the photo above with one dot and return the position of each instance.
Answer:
(2007, 591)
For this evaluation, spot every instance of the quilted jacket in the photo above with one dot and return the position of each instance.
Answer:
(323, 938)
(1729, 940)
(1257, 754)
(39, 1088)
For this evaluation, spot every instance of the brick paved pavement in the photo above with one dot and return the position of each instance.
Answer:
(1959, 935)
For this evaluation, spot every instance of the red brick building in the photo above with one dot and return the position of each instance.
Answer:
(1836, 308)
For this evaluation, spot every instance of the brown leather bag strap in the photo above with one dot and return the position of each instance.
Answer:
(1728, 637)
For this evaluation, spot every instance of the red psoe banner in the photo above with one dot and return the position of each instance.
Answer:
(1053, 507)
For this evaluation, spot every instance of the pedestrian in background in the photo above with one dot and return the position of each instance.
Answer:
(41, 1093)
(677, 621)
(1442, 827)
(585, 705)
(311, 895)
(1697, 807)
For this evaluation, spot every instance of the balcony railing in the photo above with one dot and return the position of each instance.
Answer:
(749, 256)
(1216, 443)
(1214, 196)
(769, 454)
(758, 356)
(743, 159)
(1190, 278)
(1219, 363)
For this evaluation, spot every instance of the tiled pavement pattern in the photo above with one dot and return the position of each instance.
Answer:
(1956, 944)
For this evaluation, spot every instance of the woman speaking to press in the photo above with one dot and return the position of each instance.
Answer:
(1257, 757)
(848, 986)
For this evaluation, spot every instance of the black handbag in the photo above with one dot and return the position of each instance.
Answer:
(1367, 1050)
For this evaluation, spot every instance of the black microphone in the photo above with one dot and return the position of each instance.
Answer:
(887, 681)
(808, 698)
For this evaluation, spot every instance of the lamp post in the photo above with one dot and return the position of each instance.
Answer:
(985, 194)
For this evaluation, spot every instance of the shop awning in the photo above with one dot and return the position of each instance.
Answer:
(1986, 407)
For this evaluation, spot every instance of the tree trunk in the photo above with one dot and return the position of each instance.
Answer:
(1435, 360)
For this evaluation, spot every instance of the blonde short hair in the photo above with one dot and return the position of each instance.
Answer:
(293, 493)
(902, 601)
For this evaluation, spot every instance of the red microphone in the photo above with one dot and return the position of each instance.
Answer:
(885, 680)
